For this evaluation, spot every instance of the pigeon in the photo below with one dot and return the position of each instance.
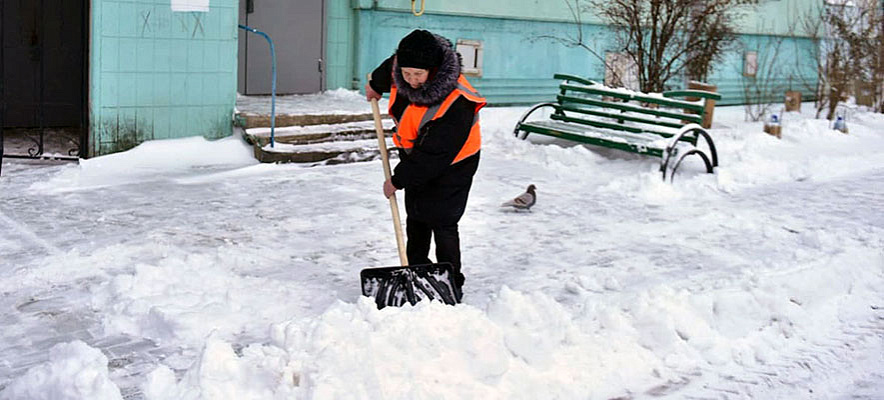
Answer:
(523, 201)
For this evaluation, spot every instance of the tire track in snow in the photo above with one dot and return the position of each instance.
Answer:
(29, 234)
(838, 359)
(807, 368)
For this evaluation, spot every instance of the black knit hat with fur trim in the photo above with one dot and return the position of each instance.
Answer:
(419, 49)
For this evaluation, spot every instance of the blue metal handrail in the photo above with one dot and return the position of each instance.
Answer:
(273, 84)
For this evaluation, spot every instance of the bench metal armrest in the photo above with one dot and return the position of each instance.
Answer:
(711, 160)
(528, 113)
(574, 78)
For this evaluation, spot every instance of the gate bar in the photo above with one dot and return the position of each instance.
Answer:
(2, 92)
(83, 141)
(42, 118)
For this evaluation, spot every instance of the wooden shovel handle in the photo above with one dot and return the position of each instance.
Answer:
(394, 205)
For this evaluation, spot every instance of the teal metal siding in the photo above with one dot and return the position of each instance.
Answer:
(767, 17)
(518, 62)
(520, 57)
(339, 45)
(785, 63)
(157, 74)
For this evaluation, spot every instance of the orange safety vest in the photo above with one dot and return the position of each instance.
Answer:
(416, 117)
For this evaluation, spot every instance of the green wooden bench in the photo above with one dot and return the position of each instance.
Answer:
(662, 125)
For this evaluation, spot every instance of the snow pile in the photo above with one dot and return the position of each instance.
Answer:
(529, 346)
(519, 349)
(149, 161)
(74, 371)
(186, 298)
(220, 374)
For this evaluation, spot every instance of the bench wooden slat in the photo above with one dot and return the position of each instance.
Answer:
(610, 125)
(643, 138)
(627, 107)
(672, 93)
(642, 145)
(597, 124)
(622, 117)
(693, 93)
(617, 127)
(633, 97)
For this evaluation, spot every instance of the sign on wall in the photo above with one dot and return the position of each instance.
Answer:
(190, 5)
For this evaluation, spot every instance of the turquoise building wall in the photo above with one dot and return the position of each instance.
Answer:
(340, 42)
(157, 74)
(519, 63)
(785, 63)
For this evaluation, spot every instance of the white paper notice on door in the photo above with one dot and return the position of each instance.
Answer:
(190, 5)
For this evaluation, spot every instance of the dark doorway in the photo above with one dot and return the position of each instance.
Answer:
(43, 78)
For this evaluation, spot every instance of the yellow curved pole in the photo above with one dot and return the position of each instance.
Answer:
(415, 12)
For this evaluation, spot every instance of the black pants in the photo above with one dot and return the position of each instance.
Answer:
(447, 245)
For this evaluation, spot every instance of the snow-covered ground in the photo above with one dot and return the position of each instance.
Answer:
(182, 269)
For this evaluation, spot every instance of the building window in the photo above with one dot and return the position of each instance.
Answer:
(471, 52)
(750, 64)
(621, 71)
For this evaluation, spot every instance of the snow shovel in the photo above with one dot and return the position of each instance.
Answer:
(394, 286)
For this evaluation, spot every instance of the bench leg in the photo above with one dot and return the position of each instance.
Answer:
(683, 156)
(711, 160)
(525, 116)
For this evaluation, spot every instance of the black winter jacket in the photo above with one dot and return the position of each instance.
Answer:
(436, 191)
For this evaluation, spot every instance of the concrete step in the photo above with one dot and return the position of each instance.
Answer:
(333, 152)
(316, 133)
(248, 120)
(319, 143)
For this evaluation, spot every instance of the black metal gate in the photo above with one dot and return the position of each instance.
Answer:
(43, 79)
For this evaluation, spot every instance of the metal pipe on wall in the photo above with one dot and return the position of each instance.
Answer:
(273, 82)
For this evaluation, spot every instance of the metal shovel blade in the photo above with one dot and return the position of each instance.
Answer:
(395, 286)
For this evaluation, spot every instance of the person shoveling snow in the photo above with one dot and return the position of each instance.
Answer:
(438, 137)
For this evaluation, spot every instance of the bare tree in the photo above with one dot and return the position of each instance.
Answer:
(850, 53)
(783, 62)
(875, 48)
(763, 85)
(580, 39)
(663, 39)
(714, 36)
(813, 26)
(879, 61)
(668, 38)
